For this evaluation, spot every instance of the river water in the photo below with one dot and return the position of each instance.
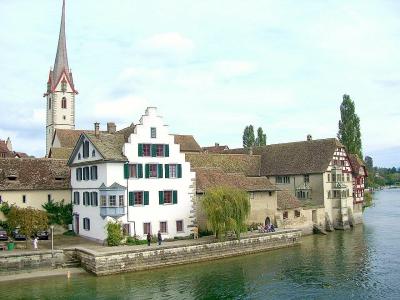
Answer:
(363, 263)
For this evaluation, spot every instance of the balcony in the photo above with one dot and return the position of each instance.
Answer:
(112, 211)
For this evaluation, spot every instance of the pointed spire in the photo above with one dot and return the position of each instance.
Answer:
(61, 61)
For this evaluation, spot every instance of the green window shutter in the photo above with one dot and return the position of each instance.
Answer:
(140, 170)
(146, 198)
(131, 198)
(140, 150)
(126, 171)
(179, 171)
(167, 171)
(153, 150)
(160, 171)
(166, 150)
(161, 197)
(174, 197)
(147, 170)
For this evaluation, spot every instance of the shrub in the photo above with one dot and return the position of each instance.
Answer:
(70, 233)
(59, 212)
(114, 233)
(134, 241)
(5, 208)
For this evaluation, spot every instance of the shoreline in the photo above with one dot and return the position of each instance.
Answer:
(42, 273)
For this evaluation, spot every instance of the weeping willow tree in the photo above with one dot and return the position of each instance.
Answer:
(226, 209)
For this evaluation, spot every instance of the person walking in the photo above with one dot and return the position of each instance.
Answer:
(148, 239)
(159, 238)
(35, 243)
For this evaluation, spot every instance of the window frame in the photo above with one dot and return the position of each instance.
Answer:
(147, 229)
(153, 132)
(112, 198)
(182, 227)
(162, 230)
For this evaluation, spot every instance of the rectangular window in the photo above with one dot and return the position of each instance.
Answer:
(173, 171)
(103, 200)
(121, 200)
(297, 213)
(86, 223)
(93, 172)
(86, 173)
(334, 177)
(163, 227)
(306, 178)
(153, 170)
(76, 198)
(79, 174)
(167, 197)
(133, 171)
(160, 150)
(48, 198)
(86, 149)
(146, 150)
(282, 179)
(138, 198)
(285, 215)
(146, 228)
(342, 163)
(23, 198)
(179, 226)
(86, 198)
(94, 199)
(348, 177)
(153, 132)
(329, 177)
(112, 200)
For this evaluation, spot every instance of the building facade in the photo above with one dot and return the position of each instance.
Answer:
(141, 180)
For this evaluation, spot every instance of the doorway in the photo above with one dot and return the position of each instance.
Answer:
(76, 227)
(267, 221)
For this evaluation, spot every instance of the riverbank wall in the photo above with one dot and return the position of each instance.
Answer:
(119, 261)
(17, 262)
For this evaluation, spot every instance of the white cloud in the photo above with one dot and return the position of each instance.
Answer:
(169, 42)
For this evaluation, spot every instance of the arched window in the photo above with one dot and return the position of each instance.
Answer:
(64, 102)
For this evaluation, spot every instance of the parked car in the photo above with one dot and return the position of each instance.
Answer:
(18, 236)
(3, 235)
(42, 235)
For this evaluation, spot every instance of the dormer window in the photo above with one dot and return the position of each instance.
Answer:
(12, 177)
(64, 102)
(59, 178)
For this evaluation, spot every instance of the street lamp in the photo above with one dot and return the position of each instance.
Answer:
(52, 240)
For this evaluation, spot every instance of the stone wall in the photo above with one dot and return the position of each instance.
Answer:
(15, 262)
(134, 260)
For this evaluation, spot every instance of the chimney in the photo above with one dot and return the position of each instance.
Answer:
(216, 144)
(111, 127)
(97, 129)
(309, 137)
(9, 145)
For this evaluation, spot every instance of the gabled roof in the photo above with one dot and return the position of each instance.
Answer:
(357, 163)
(34, 174)
(229, 163)
(304, 157)
(287, 201)
(216, 149)
(211, 177)
(68, 137)
(127, 131)
(60, 153)
(114, 187)
(187, 143)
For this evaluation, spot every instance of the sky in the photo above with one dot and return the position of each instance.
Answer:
(211, 67)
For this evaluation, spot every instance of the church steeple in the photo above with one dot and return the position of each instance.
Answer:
(61, 61)
(61, 92)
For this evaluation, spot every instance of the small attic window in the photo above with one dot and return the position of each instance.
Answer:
(12, 177)
(93, 153)
(59, 178)
(79, 156)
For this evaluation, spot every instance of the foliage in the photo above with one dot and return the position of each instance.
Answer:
(349, 127)
(5, 208)
(135, 241)
(226, 209)
(59, 212)
(69, 233)
(248, 137)
(381, 176)
(5, 226)
(28, 220)
(367, 200)
(114, 233)
(261, 139)
(254, 226)
(205, 232)
(369, 163)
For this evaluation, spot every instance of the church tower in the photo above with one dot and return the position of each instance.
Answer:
(60, 95)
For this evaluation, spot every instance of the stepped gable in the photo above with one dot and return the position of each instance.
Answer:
(287, 201)
(187, 143)
(33, 174)
(249, 165)
(211, 177)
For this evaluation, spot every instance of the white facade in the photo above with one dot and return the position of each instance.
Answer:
(137, 199)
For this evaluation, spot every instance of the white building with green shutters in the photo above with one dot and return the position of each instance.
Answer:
(137, 176)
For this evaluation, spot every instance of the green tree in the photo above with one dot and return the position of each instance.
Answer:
(226, 209)
(369, 163)
(29, 220)
(114, 233)
(261, 139)
(349, 127)
(248, 137)
(59, 212)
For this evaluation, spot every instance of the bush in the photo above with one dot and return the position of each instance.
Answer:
(253, 226)
(70, 233)
(114, 234)
(134, 241)
(5, 226)
(59, 212)
(5, 208)
(205, 232)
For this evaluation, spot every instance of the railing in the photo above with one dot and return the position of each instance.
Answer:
(112, 211)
